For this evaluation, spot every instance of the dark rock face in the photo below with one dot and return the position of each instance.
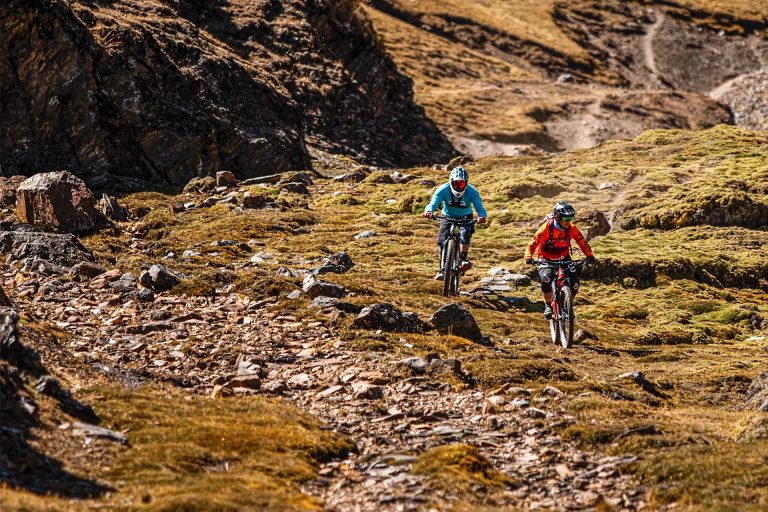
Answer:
(456, 320)
(130, 93)
(57, 201)
(387, 318)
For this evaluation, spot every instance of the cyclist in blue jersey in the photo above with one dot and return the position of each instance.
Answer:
(457, 197)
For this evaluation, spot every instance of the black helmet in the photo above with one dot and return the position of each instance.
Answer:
(563, 209)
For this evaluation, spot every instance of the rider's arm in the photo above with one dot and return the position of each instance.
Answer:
(579, 238)
(478, 204)
(530, 250)
(436, 200)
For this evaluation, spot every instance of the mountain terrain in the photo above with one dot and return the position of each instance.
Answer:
(501, 76)
(245, 316)
(151, 93)
(658, 404)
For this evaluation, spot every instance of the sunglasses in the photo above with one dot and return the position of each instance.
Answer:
(567, 218)
(459, 185)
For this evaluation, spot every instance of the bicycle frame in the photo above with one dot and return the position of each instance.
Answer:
(452, 274)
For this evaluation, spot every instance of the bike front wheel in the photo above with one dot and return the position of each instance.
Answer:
(566, 321)
(449, 262)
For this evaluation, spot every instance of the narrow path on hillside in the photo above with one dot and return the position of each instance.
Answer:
(647, 42)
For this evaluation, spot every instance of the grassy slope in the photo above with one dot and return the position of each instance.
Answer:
(194, 453)
(693, 338)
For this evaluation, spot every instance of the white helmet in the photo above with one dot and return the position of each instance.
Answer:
(459, 180)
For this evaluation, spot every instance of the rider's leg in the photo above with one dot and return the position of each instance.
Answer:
(545, 275)
(465, 240)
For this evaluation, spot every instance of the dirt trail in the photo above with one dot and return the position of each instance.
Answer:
(647, 42)
(393, 410)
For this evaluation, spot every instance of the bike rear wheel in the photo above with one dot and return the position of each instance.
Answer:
(449, 262)
(566, 317)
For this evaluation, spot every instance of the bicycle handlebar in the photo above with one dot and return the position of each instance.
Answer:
(558, 263)
(455, 220)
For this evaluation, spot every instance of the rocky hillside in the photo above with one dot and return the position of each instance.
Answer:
(501, 75)
(205, 327)
(159, 91)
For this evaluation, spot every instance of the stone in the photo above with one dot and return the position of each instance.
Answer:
(10, 341)
(313, 287)
(582, 335)
(245, 381)
(57, 201)
(204, 184)
(552, 392)
(87, 430)
(417, 365)
(533, 412)
(275, 387)
(256, 201)
(300, 381)
(87, 269)
(270, 179)
(496, 400)
(177, 207)
(367, 391)
(366, 234)
(158, 278)
(757, 394)
(145, 295)
(296, 187)
(387, 317)
(62, 249)
(456, 320)
(295, 294)
(111, 209)
(565, 78)
(338, 263)
(225, 179)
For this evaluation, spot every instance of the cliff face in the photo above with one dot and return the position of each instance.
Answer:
(150, 91)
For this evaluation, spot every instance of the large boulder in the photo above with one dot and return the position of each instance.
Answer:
(456, 320)
(317, 288)
(594, 223)
(387, 317)
(58, 201)
(62, 249)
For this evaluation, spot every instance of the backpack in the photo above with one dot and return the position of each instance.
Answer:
(547, 246)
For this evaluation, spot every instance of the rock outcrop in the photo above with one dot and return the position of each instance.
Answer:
(57, 201)
(151, 91)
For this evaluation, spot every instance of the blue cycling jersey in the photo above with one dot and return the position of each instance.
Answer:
(456, 207)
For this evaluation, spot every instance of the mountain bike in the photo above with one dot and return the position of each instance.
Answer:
(450, 260)
(561, 325)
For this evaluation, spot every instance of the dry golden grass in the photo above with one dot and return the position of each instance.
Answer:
(197, 453)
